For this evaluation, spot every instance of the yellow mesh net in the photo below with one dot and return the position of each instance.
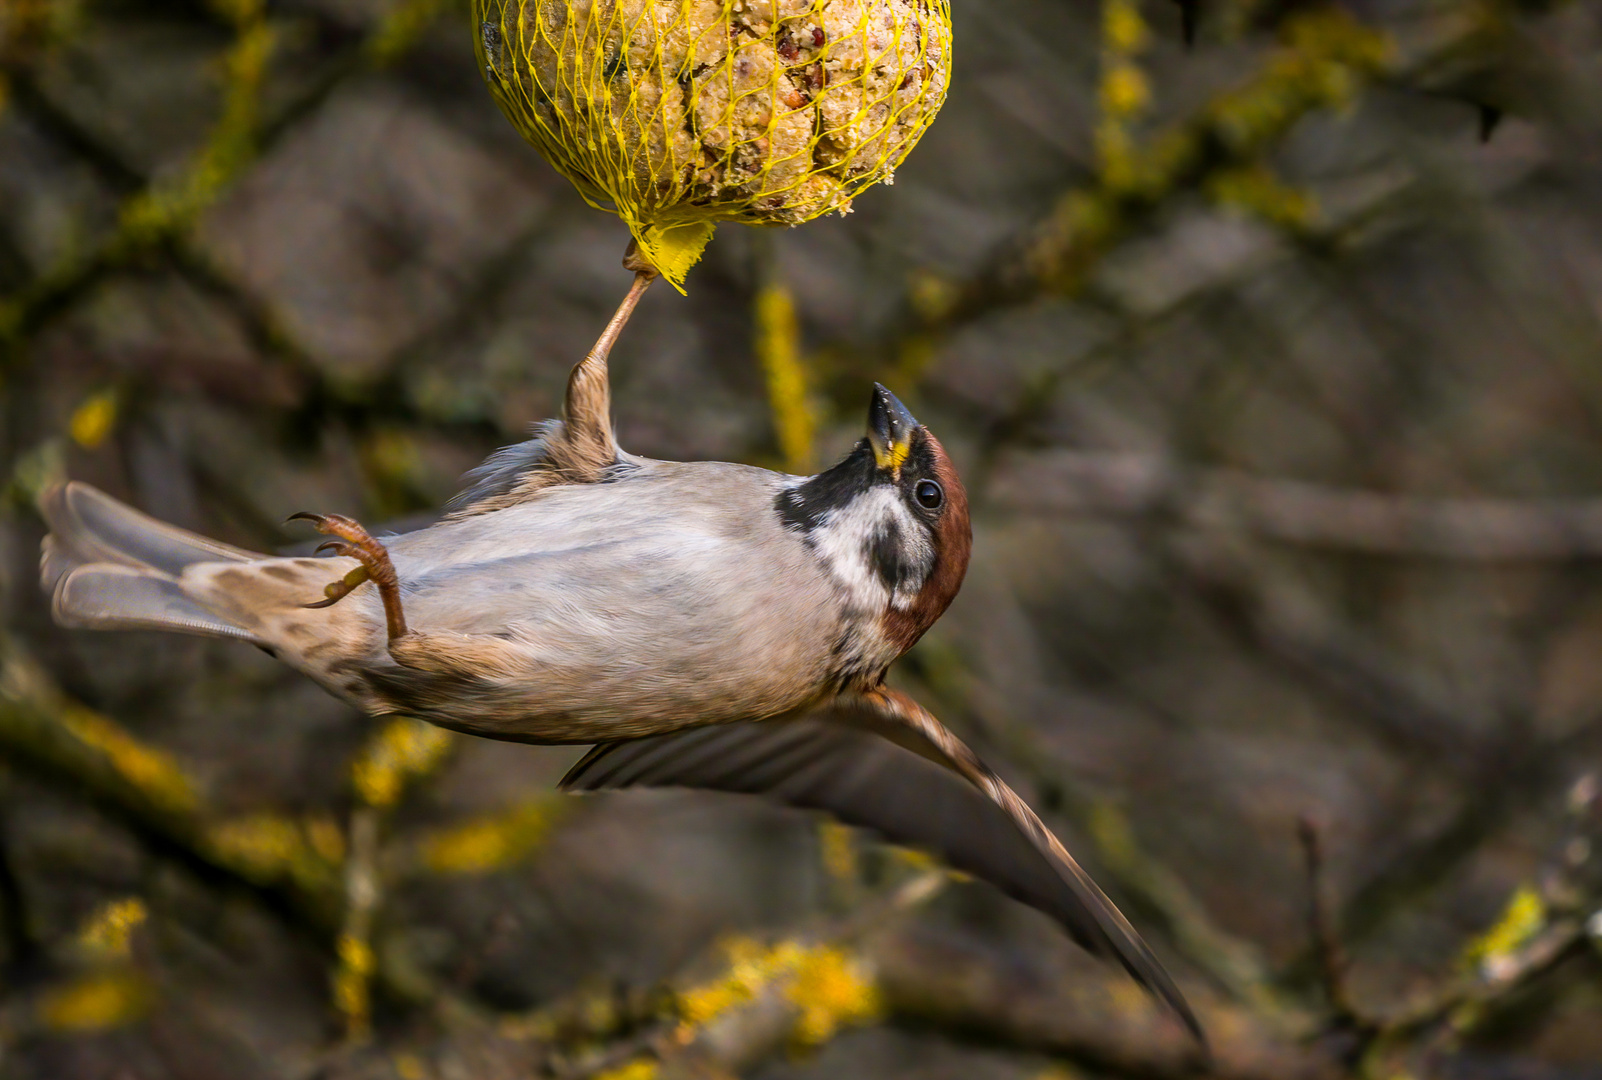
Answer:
(678, 114)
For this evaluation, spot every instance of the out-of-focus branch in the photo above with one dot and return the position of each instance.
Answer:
(1292, 631)
(1321, 927)
(479, 845)
(290, 865)
(1233, 964)
(151, 216)
(1461, 1006)
(920, 978)
(1541, 927)
(355, 971)
(403, 752)
(777, 342)
(733, 1007)
(798, 993)
(867, 966)
(1145, 882)
(16, 924)
(1325, 59)
(963, 991)
(1295, 512)
(60, 125)
(927, 980)
(1281, 622)
(293, 867)
(155, 216)
(1499, 772)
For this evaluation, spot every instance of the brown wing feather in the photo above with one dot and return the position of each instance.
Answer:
(909, 787)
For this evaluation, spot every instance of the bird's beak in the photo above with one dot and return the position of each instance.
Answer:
(890, 428)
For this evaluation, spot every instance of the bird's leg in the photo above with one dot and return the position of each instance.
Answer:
(356, 542)
(587, 413)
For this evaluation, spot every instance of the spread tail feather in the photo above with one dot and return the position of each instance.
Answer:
(109, 567)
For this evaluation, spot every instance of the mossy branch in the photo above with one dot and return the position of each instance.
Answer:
(291, 865)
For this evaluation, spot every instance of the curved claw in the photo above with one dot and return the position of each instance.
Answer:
(353, 541)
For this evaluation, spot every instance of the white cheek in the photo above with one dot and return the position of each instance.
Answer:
(839, 542)
(842, 537)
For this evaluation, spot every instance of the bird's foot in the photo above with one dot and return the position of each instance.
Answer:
(352, 540)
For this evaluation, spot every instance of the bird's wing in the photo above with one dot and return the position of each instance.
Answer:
(881, 761)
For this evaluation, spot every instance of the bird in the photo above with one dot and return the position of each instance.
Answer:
(704, 625)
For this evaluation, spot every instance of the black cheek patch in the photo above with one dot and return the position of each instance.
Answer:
(887, 556)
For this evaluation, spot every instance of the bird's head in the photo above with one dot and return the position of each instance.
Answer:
(890, 521)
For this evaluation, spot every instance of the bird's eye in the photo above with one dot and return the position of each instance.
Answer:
(929, 495)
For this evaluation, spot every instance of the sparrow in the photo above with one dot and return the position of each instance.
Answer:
(704, 624)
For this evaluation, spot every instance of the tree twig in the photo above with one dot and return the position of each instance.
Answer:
(1321, 928)
(1296, 512)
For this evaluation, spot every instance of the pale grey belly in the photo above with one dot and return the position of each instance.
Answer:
(617, 640)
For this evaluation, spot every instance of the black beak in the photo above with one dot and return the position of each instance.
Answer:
(890, 428)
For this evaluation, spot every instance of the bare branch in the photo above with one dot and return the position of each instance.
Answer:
(147, 791)
(1295, 512)
(1321, 927)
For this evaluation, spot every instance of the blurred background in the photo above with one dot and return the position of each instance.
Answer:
(1274, 368)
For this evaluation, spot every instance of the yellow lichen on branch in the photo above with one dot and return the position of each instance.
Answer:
(827, 987)
(831, 989)
(109, 932)
(404, 750)
(150, 770)
(1256, 191)
(1325, 58)
(96, 1002)
(1520, 922)
(41, 726)
(352, 984)
(491, 843)
(778, 347)
(638, 1069)
(401, 28)
(93, 419)
(164, 209)
(751, 967)
(838, 847)
(270, 848)
(167, 208)
(1124, 94)
(111, 992)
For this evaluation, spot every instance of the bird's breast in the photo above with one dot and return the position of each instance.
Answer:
(631, 612)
